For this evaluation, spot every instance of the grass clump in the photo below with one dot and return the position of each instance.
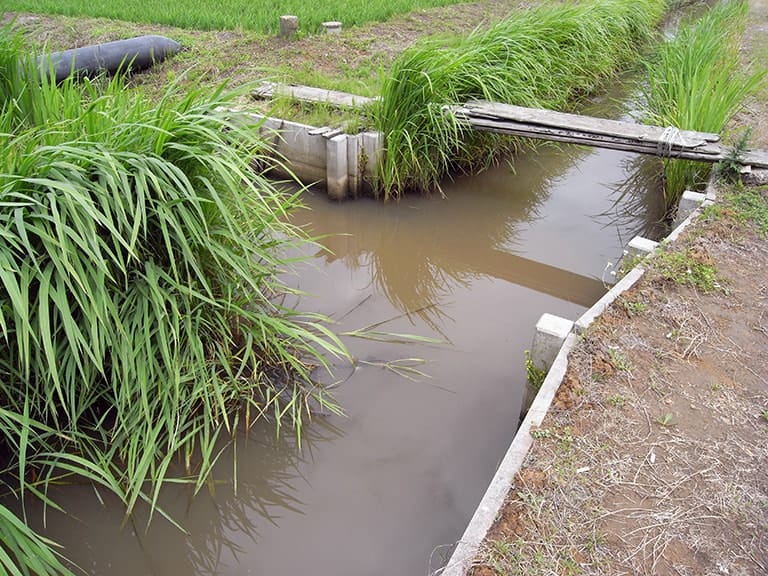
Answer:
(695, 82)
(688, 268)
(543, 57)
(140, 308)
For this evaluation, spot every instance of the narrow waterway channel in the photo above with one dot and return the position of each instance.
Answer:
(388, 488)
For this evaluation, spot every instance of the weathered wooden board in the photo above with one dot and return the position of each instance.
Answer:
(602, 133)
(588, 124)
(310, 94)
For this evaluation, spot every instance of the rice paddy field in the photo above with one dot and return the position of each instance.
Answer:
(259, 15)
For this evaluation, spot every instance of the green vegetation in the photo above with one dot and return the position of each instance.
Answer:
(696, 83)
(535, 375)
(258, 15)
(544, 57)
(745, 205)
(750, 205)
(688, 268)
(140, 309)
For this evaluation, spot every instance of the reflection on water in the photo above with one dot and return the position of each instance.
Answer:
(389, 487)
(416, 251)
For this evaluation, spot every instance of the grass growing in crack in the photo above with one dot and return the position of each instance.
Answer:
(695, 83)
(140, 304)
(544, 57)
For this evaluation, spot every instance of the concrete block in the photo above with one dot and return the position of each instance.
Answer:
(337, 172)
(640, 247)
(289, 25)
(304, 153)
(689, 202)
(551, 332)
(354, 142)
(371, 152)
(332, 27)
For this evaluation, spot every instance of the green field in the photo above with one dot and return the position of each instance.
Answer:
(258, 15)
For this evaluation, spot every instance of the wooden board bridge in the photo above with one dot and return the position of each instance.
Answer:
(614, 134)
(556, 126)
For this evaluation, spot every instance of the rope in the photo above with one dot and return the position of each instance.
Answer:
(669, 138)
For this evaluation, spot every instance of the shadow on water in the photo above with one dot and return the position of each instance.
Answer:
(417, 251)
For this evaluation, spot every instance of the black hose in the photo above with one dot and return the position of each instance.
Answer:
(132, 55)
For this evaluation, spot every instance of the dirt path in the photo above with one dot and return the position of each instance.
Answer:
(654, 457)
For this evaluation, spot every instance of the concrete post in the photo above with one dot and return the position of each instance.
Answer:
(551, 332)
(689, 201)
(289, 25)
(337, 173)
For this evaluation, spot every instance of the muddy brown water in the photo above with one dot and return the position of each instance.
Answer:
(388, 488)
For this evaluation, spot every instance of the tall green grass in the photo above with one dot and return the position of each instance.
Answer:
(544, 57)
(140, 306)
(257, 15)
(696, 82)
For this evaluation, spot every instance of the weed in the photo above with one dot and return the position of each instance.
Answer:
(140, 309)
(629, 262)
(633, 308)
(536, 375)
(617, 400)
(751, 206)
(683, 267)
(729, 168)
(665, 420)
(619, 360)
(541, 433)
(765, 415)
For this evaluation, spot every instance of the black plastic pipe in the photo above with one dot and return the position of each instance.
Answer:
(132, 55)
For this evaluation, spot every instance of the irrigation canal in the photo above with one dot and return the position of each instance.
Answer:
(387, 489)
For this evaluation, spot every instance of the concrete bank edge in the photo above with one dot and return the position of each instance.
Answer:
(495, 495)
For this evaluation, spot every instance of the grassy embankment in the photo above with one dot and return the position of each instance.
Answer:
(140, 315)
(696, 82)
(545, 57)
(258, 15)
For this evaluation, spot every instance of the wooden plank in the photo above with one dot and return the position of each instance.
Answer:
(534, 131)
(640, 132)
(310, 94)
(709, 152)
